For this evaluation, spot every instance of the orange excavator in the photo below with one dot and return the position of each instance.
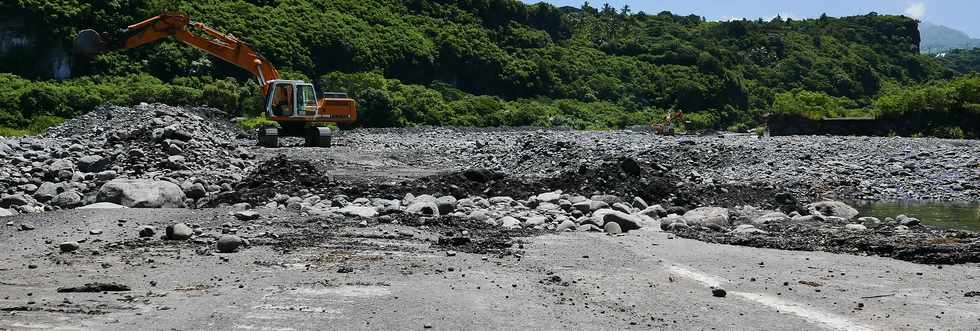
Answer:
(292, 104)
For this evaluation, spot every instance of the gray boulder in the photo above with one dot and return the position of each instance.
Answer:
(360, 211)
(194, 190)
(48, 191)
(67, 199)
(709, 217)
(567, 225)
(625, 221)
(142, 193)
(229, 243)
(446, 204)
(773, 217)
(423, 207)
(748, 229)
(92, 163)
(179, 231)
(832, 208)
(509, 222)
(246, 215)
(4, 212)
(549, 196)
(13, 200)
(612, 228)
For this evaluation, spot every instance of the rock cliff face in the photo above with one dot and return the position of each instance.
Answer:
(20, 48)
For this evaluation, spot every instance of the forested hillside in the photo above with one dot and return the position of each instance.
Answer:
(482, 62)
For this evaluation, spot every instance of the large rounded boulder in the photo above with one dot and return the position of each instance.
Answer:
(142, 193)
(709, 217)
(832, 208)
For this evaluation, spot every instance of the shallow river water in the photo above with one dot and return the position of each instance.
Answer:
(951, 215)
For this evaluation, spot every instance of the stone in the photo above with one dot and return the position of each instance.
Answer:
(359, 211)
(718, 292)
(832, 208)
(446, 204)
(27, 227)
(612, 228)
(773, 217)
(95, 232)
(246, 215)
(194, 190)
(68, 246)
(179, 231)
(4, 212)
(48, 191)
(423, 207)
(748, 229)
(147, 231)
(583, 206)
(229, 243)
(567, 225)
(106, 175)
(535, 221)
(639, 203)
(509, 222)
(608, 199)
(547, 206)
(92, 163)
(142, 193)
(855, 227)
(625, 221)
(103, 205)
(60, 167)
(655, 211)
(869, 220)
(67, 199)
(549, 196)
(479, 215)
(709, 217)
(630, 166)
(621, 207)
(13, 200)
(908, 221)
(501, 200)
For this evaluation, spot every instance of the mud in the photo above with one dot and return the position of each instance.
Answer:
(919, 245)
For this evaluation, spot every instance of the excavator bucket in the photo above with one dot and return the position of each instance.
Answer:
(89, 43)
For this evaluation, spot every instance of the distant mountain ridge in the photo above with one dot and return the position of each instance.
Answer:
(938, 38)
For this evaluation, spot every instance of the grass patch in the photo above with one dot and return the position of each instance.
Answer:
(256, 122)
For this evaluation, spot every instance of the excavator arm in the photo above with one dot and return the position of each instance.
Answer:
(176, 24)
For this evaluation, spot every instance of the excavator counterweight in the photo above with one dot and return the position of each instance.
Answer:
(293, 105)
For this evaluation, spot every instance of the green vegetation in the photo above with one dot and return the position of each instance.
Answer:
(485, 62)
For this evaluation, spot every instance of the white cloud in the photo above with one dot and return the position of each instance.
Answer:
(916, 10)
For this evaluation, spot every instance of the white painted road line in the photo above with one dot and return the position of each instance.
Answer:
(815, 316)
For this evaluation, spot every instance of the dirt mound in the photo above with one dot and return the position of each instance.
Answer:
(281, 175)
(623, 177)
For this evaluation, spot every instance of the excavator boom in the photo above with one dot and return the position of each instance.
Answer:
(176, 24)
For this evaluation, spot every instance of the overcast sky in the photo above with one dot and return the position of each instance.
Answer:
(962, 15)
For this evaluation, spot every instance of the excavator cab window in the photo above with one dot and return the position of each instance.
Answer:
(306, 100)
(281, 100)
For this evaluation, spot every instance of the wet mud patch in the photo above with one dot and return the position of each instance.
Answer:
(920, 245)
(278, 175)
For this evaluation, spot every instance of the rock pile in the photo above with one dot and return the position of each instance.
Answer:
(143, 156)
